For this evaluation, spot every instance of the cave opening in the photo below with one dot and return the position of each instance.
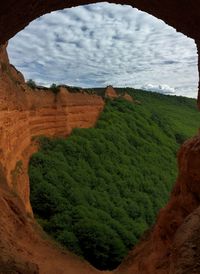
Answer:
(106, 44)
(119, 63)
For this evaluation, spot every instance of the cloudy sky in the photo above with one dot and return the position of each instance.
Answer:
(103, 44)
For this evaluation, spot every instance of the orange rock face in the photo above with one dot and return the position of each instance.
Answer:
(127, 97)
(26, 114)
(111, 93)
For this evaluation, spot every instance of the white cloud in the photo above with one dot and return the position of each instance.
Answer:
(164, 89)
(101, 44)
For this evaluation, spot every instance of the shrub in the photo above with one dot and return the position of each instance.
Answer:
(180, 138)
(55, 89)
(31, 84)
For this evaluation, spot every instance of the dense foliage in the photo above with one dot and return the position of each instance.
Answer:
(97, 191)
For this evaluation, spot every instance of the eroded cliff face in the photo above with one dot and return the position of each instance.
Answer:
(26, 114)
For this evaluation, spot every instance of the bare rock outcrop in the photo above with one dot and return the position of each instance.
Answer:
(128, 97)
(111, 93)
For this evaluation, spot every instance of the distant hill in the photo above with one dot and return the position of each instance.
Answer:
(98, 191)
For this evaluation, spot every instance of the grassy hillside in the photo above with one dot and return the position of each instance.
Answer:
(99, 190)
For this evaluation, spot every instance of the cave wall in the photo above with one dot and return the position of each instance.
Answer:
(183, 15)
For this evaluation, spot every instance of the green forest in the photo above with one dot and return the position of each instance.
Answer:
(100, 189)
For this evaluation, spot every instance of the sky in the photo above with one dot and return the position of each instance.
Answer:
(106, 44)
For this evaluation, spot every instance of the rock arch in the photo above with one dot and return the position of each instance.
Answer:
(182, 15)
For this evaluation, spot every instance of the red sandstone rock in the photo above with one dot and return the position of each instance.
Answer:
(111, 93)
(127, 97)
